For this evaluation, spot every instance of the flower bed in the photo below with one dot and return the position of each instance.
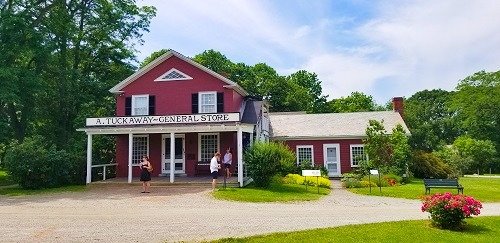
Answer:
(449, 211)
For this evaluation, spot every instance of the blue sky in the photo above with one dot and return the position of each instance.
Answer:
(381, 48)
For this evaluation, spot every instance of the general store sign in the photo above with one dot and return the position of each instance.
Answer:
(158, 120)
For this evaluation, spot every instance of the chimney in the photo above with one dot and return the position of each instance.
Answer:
(397, 105)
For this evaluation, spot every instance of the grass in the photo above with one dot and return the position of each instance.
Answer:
(276, 193)
(5, 179)
(483, 189)
(480, 229)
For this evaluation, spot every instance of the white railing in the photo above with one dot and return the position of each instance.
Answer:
(104, 169)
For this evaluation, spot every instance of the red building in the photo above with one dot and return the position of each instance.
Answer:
(180, 113)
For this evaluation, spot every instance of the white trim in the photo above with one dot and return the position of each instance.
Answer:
(132, 112)
(231, 127)
(117, 89)
(339, 163)
(239, 141)
(199, 142)
(160, 79)
(89, 158)
(130, 145)
(172, 157)
(340, 137)
(350, 152)
(304, 146)
(200, 104)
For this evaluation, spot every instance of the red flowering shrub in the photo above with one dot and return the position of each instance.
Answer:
(449, 211)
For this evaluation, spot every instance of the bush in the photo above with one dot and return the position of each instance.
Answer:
(264, 160)
(311, 181)
(427, 165)
(350, 182)
(374, 179)
(33, 165)
(392, 179)
(449, 211)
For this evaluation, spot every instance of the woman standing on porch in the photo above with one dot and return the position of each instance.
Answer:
(214, 169)
(228, 159)
(145, 174)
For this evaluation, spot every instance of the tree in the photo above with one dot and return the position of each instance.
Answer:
(152, 57)
(355, 102)
(216, 62)
(476, 103)
(430, 120)
(388, 152)
(312, 85)
(480, 154)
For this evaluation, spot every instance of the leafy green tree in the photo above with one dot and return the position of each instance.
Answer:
(430, 120)
(152, 57)
(355, 102)
(316, 103)
(388, 152)
(216, 62)
(480, 155)
(477, 103)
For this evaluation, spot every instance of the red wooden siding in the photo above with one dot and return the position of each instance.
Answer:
(174, 97)
(345, 150)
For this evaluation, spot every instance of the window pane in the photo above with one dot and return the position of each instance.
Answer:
(357, 154)
(139, 149)
(304, 154)
(141, 106)
(208, 103)
(208, 145)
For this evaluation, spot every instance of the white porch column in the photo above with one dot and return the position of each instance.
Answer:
(89, 158)
(130, 140)
(240, 156)
(172, 155)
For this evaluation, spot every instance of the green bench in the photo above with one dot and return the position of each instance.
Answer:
(442, 183)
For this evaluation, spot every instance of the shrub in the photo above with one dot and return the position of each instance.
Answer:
(449, 211)
(392, 179)
(367, 184)
(350, 183)
(427, 165)
(311, 181)
(264, 160)
(33, 165)
(374, 180)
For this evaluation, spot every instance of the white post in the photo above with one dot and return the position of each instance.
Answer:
(240, 156)
(130, 140)
(89, 158)
(172, 155)
(104, 173)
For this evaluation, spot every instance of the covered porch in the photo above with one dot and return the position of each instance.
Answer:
(164, 150)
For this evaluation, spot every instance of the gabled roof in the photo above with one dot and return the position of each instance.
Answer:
(230, 84)
(330, 125)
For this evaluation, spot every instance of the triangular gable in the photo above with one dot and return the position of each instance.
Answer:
(173, 75)
(117, 89)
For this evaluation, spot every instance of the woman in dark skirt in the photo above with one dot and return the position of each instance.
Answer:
(145, 174)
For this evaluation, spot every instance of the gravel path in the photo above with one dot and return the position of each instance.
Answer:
(121, 214)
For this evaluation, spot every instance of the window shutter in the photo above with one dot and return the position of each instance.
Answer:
(128, 106)
(194, 103)
(152, 105)
(220, 102)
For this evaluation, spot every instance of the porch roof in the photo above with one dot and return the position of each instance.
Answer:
(176, 128)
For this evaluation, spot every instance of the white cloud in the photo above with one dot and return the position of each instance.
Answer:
(406, 47)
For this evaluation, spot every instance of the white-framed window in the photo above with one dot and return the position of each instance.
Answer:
(357, 154)
(173, 75)
(140, 105)
(140, 147)
(208, 145)
(207, 102)
(305, 153)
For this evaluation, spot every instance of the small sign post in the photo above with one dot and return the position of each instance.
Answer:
(373, 172)
(316, 173)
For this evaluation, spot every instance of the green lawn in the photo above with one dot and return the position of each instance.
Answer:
(15, 190)
(5, 179)
(483, 189)
(480, 229)
(276, 193)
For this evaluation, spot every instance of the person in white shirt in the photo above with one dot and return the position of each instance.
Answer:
(214, 169)
(228, 159)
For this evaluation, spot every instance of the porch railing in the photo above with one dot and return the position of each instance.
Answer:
(104, 169)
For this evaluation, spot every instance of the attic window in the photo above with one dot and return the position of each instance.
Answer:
(172, 75)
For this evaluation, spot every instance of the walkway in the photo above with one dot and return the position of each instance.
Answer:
(117, 213)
